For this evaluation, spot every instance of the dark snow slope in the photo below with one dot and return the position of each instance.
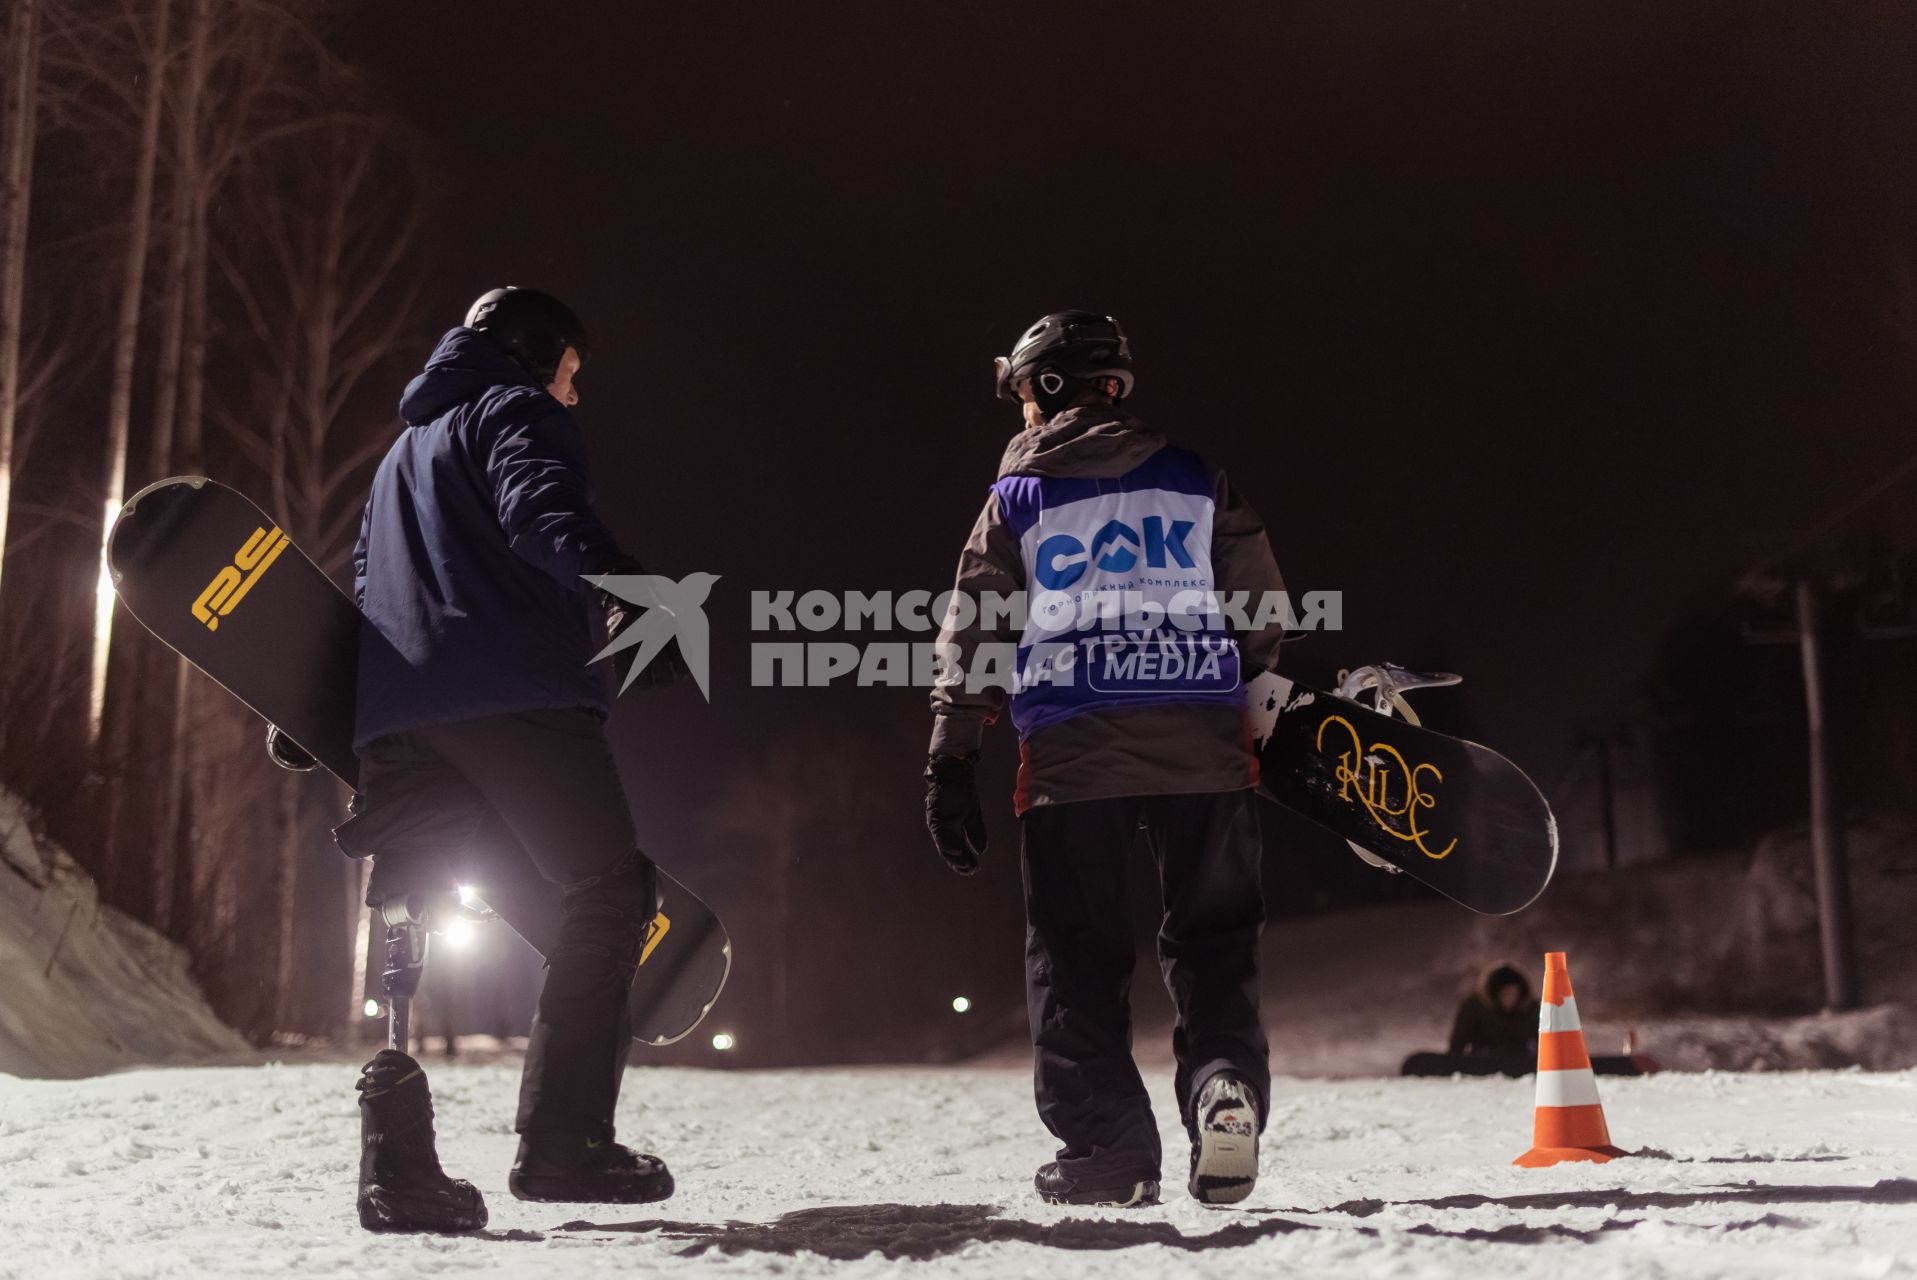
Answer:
(84, 989)
(1711, 961)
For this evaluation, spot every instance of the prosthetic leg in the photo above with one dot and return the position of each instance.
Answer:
(401, 1184)
(406, 944)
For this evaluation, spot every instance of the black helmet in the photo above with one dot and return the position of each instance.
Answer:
(1079, 346)
(533, 328)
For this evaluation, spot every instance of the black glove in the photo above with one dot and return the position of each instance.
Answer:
(618, 611)
(668, 666)
(286, 753)
(952, 812)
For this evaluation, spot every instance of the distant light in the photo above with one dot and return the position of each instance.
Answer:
(467, 895)
(961, 1004)
(723, 1041)
(459, 934)
(372, 1008)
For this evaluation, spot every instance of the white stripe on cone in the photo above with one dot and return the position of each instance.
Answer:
(1567, 1088)
(1559, 1017)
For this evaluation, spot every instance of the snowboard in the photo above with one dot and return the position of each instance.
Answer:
(1450, 814)
(219, 582)
(1515, 1064)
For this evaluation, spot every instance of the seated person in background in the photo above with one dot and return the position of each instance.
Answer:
(1499, 1018)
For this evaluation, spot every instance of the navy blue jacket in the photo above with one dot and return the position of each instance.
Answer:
(471, 551)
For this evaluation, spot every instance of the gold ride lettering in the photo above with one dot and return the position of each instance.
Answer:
(230, 585)
(1371, 777)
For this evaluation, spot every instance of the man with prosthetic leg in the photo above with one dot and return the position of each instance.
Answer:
(482, 744)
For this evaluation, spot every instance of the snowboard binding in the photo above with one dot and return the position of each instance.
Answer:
(286, 753)
(1387, 683)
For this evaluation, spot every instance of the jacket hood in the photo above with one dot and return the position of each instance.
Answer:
(1503, 976)
(1095, 441)
(463, 367)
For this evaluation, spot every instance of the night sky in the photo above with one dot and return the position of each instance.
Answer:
(1528, 326)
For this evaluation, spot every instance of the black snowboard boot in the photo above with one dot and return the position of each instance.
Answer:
(1224, 1149)
(1056, 1188)
(588, 1172)
(401, 1186)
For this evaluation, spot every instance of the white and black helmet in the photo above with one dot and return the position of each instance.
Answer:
(1067, 348)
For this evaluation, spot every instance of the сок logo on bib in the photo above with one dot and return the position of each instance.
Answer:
(230, 585)
(1062, 558)
(673, 611)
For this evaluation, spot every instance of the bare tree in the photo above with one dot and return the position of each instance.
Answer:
(246, 86)
(345, 288)
(126, 339)
(22, 102)
(214, 182)
(184, 172)
(168, 693)
(29, 690)
(234, 85)
(40, 682)
(330, 291)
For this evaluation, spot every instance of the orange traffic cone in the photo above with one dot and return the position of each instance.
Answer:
(1570, 1119)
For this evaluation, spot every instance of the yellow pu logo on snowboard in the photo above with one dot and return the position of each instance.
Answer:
(1366, 777)
(230, 585)
(655, 935)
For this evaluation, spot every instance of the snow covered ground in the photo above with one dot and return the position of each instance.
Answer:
(249, 1171)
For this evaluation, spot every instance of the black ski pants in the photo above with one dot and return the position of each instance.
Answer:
(471, 803)
(1079, 960)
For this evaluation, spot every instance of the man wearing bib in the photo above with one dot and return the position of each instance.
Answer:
(1126, 687)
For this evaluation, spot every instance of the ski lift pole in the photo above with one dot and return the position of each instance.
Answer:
(1836, 934)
